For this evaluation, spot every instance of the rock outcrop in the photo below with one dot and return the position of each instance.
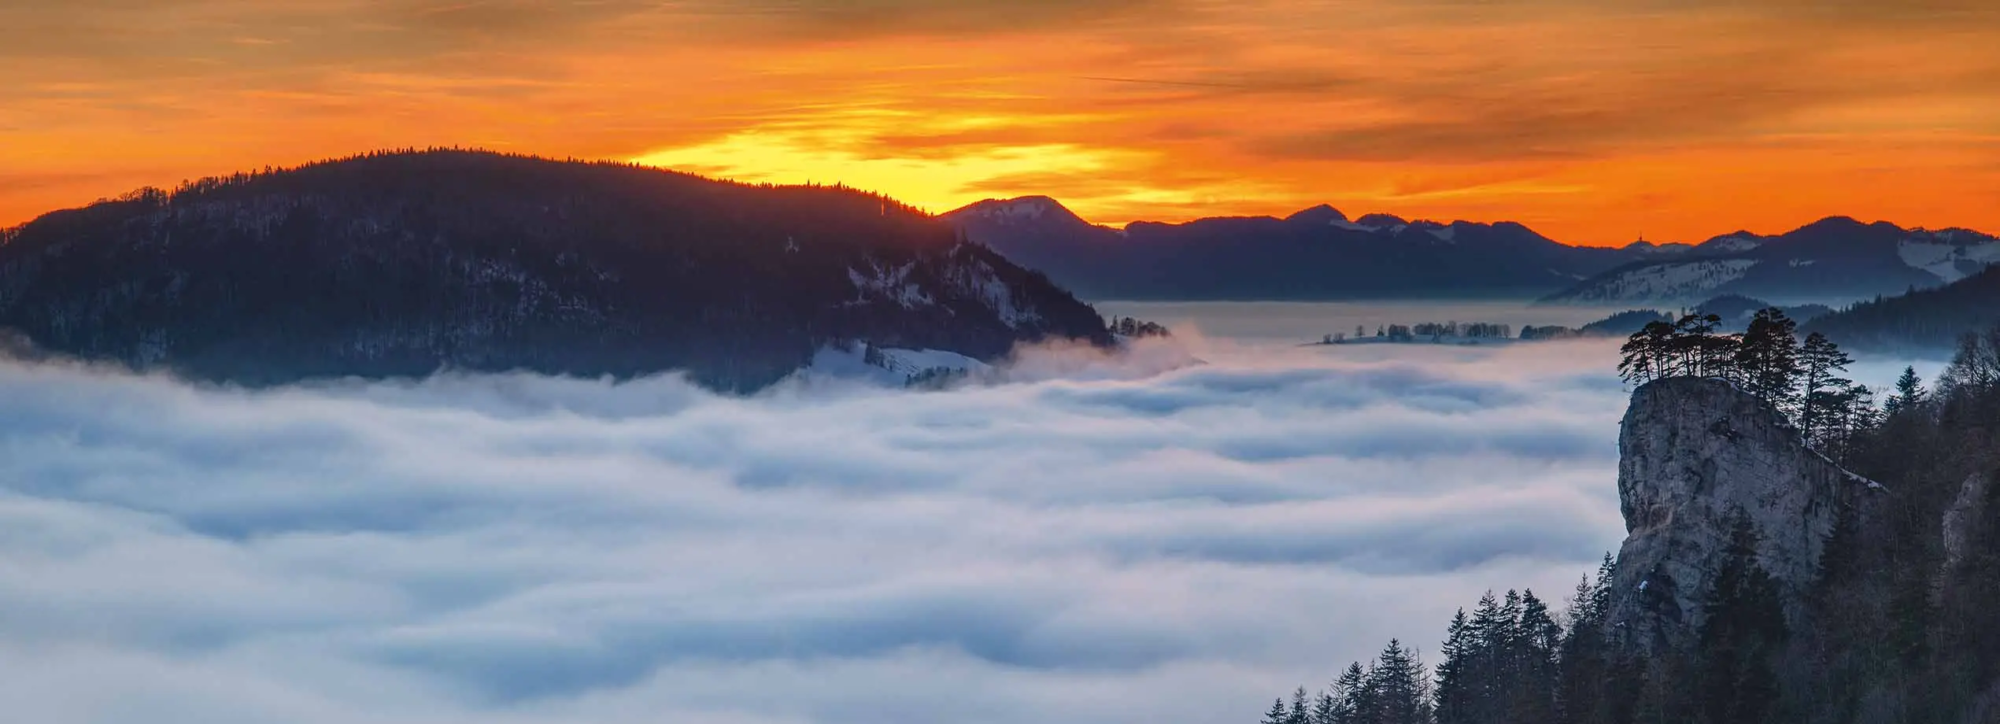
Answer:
(1694, 455)
(1961, 523)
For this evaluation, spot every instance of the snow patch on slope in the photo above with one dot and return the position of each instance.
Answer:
(1665, 282)
(892, 284)
(1732, 244)
(886, 366)
(978, 281)
(1370, 228)
(1031, 208)
(1946, 260)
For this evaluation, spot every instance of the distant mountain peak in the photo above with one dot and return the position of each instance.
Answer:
(1024, 209)
(1643, 246)
(1738, 242)
(1838, 223)
(1321, 215)
(1390, 220)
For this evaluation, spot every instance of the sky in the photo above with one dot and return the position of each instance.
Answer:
(1595, 122)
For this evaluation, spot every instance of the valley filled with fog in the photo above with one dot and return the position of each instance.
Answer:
(1154, 535)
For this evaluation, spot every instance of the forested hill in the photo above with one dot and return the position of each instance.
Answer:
(1934, 319)
(1794, 555)
(397, 264)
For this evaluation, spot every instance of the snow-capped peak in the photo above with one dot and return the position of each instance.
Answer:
(1023, 209)
(1732, 243)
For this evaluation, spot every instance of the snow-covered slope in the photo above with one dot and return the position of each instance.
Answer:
(1669, 282)
(1952, 254)
(887, 366)
(1830, 260)
(1736, 243)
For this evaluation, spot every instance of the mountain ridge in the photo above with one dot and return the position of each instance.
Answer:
(399, 263)
(1836, 259)
(1247, 257)
(1321, 253)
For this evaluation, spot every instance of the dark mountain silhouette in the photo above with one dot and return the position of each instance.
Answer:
(1834, 259)
(1922, 319)
(1317, 253)
(397, 264)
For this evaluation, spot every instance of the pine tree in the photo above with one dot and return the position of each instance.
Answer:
(1768, 359)
(1648, 354)
(1698, 351)
(1822, 389)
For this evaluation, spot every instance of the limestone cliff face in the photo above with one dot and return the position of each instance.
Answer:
(1961, 524)
(1693, 452)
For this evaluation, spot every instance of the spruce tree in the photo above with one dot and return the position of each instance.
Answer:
(1485, 636)
(1508, 644)
(1326, 710)
(1648, 354)
(1453, 692)
(1301, 711)
(1278, 714)
(1662, 695)
(1909, 395)
(1698, 350)
(1581, 659)
(1537, 644)
(1743, 627)
(1350, 694)
(1399, 687)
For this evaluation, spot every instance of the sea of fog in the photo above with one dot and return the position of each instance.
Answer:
(1177, 533)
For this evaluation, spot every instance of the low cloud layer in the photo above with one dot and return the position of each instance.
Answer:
(1099, 541)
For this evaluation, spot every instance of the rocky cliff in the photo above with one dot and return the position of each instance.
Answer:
(1694, 455)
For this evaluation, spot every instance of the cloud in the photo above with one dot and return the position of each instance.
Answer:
(1596, 121)
(1115, 539)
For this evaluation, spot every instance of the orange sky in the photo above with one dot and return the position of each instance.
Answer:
(1593, 121)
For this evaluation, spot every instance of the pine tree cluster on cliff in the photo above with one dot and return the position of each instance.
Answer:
(1802, 380)
(1896, 626)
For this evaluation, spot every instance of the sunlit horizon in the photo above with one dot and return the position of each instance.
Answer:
(1593, 123)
